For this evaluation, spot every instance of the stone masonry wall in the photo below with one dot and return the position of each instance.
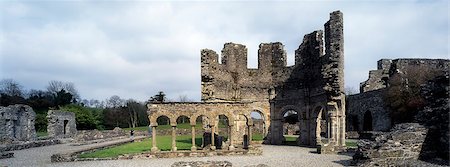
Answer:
(403, 143)
(61, 124)
(386, 68)
(371, 93)
(435, 116)
(17, 123)
(372, 103)
(313, 85)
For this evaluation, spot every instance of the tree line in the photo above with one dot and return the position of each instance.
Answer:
(90, 114)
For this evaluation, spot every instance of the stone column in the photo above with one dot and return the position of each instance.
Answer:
(174, 137)
(250, 135)
(342, 131)
(193, 148)
(230, 134)
(213, 146)
(333, 129)
(154, 147)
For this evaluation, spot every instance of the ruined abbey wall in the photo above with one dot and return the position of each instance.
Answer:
(313, 87)
(378, 79)
(17, 123)
(370, 99)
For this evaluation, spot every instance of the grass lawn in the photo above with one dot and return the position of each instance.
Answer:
(257, 137)
(40, 134)
(351, 143)
(164, 143)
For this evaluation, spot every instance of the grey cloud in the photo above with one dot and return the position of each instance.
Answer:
(134, 49)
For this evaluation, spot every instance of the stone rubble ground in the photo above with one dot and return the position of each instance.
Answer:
(276, 156)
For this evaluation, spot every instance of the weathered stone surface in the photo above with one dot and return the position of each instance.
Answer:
(403, 143)
(87, 135)
(435, 116)
(17, 123)
(378, 79)
(370, 99)
(202, 164)
(28, 144)
(313, 87)
(359, 106)
(6, 155)
(61, 124)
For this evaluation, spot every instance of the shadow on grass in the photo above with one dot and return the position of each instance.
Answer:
(198, 141)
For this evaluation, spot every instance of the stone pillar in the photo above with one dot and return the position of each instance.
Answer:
(250, 135)
(154, 147)
(318, 130)
(230, 134)
(193, 148)
(213, 146)
(333, 129)
(342, 131)
(174, 137)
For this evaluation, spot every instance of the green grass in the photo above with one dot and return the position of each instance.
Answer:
(164, 143)
(290, 138)
(257, 137)
(351, 143)
(41, 134)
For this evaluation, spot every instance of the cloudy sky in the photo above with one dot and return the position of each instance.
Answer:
(135, 49)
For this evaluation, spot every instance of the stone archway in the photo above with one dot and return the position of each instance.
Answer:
(290, 127)
(322, 130)
(259, 129)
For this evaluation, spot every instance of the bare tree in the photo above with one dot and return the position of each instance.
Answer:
(350, 90)
(184, 98)
(133, 108)
(403, 94)
(11, 88)
(56, 86)
(115, 101)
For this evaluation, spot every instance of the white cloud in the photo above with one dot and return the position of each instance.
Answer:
(135, 49)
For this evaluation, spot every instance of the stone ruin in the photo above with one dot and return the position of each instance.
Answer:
(367, 110)
(404, 143)
(17, 123)
(61, 124)
(313, 88)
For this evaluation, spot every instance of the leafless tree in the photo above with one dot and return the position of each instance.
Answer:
(115, 101)
(56, 86)
(184, 98)
(350, 90)
(11, 88)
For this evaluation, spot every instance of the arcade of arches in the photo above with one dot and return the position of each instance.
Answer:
(313, 88)
(236, 115)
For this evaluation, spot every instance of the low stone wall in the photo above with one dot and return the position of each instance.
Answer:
(29, 144)
(403, 143)
(203, 164)
(4, 155)
(88, 135)
(254, 150)
(72, 155)
(351, 135)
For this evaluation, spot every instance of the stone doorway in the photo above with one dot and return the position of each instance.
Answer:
(291, 127)
(367, 126)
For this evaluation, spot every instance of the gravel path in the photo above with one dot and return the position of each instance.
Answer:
(276, 156)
